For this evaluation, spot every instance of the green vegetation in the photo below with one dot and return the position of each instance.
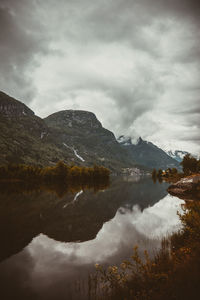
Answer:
(60, 178)
(174, 272)
(190, 166)
(60, 172)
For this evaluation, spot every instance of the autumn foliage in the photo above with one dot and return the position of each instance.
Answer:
(60, 178)
(60, 171)
(174, 272)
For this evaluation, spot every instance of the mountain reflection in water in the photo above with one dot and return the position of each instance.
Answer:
(58, 240)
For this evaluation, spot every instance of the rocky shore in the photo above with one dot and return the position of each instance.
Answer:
(186, 188)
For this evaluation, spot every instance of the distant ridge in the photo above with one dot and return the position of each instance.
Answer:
(177, 154)
(148, 154)
(74, 136)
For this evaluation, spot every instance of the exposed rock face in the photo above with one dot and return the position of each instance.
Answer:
(74, 118)
(12, 108)
(23, 136)
(15, 111)
(147, 154)
(187, 187)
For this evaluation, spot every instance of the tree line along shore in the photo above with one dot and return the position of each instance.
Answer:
(61, 178)
(190, 166)
(61, 172)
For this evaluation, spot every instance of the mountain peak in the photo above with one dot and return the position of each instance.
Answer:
(74, 118)
(11, 107)
(124, 140)
(177, 154)
(140, 140)
(147, 154)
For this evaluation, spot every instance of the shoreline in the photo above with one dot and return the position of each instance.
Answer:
(187, 188)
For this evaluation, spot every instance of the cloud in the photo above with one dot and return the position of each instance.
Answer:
(133, 63)
(21, 40)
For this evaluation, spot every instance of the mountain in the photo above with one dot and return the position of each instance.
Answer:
(177, 154)
(22, 135)
(147, 154)
(82, 136)
(76, 137)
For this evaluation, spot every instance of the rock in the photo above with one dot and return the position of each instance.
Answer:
(10, 107)
(186, 187)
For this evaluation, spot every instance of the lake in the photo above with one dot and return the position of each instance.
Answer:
(50, 243)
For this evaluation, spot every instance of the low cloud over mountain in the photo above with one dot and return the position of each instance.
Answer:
(135, 64)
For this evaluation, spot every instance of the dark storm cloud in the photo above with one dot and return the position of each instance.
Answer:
(121, 59)
(123, 19)
(180, 7)
(21, 40)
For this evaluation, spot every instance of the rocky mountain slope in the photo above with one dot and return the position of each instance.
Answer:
(82, 136)
(75, 136)
(22, 135)
(148, 154)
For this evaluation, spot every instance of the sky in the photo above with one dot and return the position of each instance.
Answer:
(134, 63)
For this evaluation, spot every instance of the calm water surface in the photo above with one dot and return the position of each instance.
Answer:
(49, 244)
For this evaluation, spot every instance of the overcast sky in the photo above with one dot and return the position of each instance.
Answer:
(134, 63)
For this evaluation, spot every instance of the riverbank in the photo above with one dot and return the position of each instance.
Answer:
(60, 178)
(186, 188)
(173, 273)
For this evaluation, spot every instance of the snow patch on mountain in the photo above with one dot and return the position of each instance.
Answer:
(75, 152)
(77, 155)
(77, 195)
(124, 140)
(42, 134)
(177, 154)
(128, 141)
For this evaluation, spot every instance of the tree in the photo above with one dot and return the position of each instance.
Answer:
(198, 166)
(159, 174)
(189, 164)
(61, 170)
(154, 174)
(174, 171)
